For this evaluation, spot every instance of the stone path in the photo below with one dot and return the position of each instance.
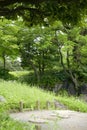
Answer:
(54, 119)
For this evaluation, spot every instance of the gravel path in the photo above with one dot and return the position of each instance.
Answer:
(54, 119)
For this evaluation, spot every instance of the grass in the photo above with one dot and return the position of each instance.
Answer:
(15, 92)
(18, 74)
(73, 103)
(6, 123)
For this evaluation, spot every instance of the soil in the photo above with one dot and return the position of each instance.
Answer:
(54, 119)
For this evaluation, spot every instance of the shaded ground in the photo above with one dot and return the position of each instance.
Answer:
(54, 119)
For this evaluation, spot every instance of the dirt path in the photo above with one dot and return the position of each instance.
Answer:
(54, 119)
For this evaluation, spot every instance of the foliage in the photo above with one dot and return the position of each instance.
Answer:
(42, 11)
(70, 41)
(42, 49)
(8, 30)
(3, 73)
(36, 50)
(8, 40)
(57, 46)
(47, 81)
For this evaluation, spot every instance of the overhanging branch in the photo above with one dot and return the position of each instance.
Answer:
(7, 11)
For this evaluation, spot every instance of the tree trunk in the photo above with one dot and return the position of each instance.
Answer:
(43, 65)
(35, 71)
(39, 66)
(68, 71)
(4, 62)
(28, 60)
(74, 81)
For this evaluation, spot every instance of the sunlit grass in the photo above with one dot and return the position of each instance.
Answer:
(14, 92)
(73, 103)
(6, 123)
(17, 74)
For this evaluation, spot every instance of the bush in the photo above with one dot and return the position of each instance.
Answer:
(28, 78)
(47, 80)
(4, 73)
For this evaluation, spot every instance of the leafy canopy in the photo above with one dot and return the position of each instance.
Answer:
(42, 11)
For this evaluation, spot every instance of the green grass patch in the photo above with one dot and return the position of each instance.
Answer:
(18, 74)
(73, 103)
(6, 123)
(14, 92)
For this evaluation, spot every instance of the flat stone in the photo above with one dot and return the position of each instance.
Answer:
(47, 119)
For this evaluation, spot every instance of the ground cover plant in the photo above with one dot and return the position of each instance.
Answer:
(15, 92)
(18, 74)
(74, 103)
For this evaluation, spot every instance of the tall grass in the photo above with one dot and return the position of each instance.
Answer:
(15, 92)
(73, 103)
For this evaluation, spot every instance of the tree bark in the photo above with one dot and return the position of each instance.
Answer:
(4, 61)
(35, 70)
(43, 65)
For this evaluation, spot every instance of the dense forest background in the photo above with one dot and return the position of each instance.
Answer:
(48, 39)
(55, 55)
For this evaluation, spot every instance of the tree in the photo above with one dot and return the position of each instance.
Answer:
(57, 46)
(71, 43)
(36, 49)
(44, 11)
(8, 40)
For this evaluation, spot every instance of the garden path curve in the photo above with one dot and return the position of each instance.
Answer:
(54, 119)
